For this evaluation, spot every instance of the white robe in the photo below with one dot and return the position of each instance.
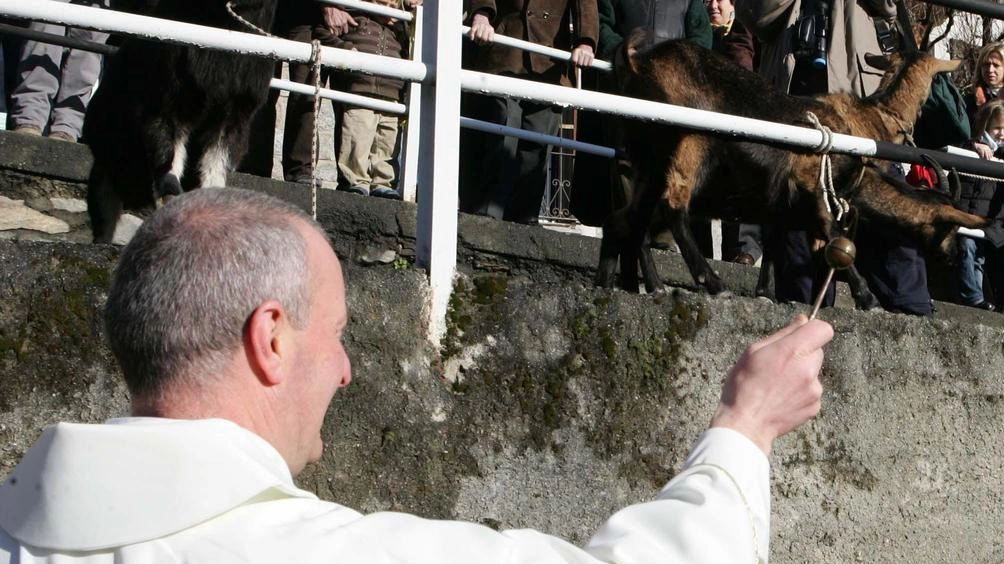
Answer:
(157, 490)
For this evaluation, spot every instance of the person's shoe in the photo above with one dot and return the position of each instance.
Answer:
(62, 136)
(307, 180)
(356, 189)
(744, 258)
(985, 305)
(385, 192)
(28, 130)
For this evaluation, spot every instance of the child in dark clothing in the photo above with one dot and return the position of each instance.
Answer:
(984, 198)
(368, 137)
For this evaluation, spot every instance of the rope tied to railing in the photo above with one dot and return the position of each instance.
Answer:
(247, 24)
(315, 70)
(830, 198)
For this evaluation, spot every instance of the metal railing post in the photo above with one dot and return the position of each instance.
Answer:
(412, 134)
(438, 150)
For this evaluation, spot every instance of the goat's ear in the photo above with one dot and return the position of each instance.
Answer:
(942, 65)
(881, 62)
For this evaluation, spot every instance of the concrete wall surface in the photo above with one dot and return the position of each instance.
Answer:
(551, 403)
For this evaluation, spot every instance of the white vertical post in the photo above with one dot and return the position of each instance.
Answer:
(409, 165)
(438, 156)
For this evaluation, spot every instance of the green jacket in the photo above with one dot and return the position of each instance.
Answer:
(675, 19)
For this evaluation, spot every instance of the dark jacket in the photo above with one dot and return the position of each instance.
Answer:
(667, 19)
(375, 38)
(735, 43)
(545, 22)
(984, 198)
(975, 98)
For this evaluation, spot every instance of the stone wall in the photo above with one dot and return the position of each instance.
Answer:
(552, 403)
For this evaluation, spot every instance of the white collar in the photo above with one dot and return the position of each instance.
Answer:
(91, 487)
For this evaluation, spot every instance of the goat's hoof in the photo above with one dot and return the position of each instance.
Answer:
(725, 294)
(765, 299)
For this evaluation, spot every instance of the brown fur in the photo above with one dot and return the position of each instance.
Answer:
(694, 173)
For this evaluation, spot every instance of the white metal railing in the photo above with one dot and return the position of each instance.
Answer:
(339, 96)
(531, 47)
(372, 8)
(437, 109)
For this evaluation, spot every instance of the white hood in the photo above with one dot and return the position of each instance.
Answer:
(91, 487)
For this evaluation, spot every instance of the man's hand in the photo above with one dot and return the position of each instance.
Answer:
(774, 387)
(582, 56)
(338, 21)
(482, 31)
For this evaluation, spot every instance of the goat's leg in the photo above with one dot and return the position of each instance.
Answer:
(165, 144)
(863, 297)
(682, 178)
(679, 223)
(765, 280)
(635, 251)
(103, 205)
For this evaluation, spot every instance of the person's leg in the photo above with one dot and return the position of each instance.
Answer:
(298, 132)
(80, 73)
(969, 273)
(38, 75)
(749, 244)
(524, 205)
(797, 276)
(382, 173)
(488, 181)
(358, 131)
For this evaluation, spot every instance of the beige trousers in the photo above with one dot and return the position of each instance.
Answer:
(367, 148)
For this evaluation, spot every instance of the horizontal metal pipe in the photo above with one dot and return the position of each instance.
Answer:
(208, 37)
(979, 7)
(342, 97)
(372, 8)
(724, 124)
(53, 39)
(497, 129)
(539, 49)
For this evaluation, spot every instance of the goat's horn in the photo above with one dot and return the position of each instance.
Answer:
(939, 172)
(955, 181)
(942, 65)
(881, 62)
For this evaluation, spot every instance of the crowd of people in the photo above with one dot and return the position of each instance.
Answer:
(505, 178)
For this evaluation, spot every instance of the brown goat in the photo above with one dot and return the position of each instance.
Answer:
(711, 176)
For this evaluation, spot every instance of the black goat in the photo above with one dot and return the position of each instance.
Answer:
(169, 118)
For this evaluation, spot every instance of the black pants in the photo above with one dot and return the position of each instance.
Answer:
(297, 159)
(508, 181)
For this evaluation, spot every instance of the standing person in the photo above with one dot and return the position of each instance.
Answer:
(56, 82)
(297, 20)
(508, 182)
(740, 241)
(984, 198)
(792, 67)
(730, 37)
(601, 185)
(229, 393)
(989, 79)
(368, 137)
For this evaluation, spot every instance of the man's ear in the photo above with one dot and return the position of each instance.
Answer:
(267, 342)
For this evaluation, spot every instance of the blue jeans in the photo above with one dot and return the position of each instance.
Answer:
(970, 272)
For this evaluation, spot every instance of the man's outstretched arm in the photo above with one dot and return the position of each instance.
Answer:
(718, 508)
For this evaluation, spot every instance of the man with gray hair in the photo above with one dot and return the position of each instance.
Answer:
(226, 314)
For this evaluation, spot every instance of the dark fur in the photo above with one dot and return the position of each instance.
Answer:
(153, 93)
(713, 176)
